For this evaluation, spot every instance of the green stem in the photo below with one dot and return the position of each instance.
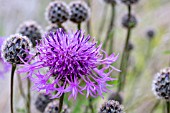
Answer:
(29, 96)
(124, 60)
(168, 106)
(79, 26)
(61, 103)
(12, 85)
(91, 105)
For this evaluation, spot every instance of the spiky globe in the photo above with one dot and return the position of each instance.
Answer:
(52, 107)
(57, 12)
(79, 11)
(112, 106)
(161, 84)
(110, 1)
(129, 2)
(42, 101)
(150, 34)
(129, 21)
(15, 48)
(32, 30)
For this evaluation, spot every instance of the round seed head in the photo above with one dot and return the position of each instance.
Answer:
(130, 47)
(79, 11)
(110, 1)
(42, 101)
(52, 107)
(15, 48)
(129, 2)
(52, 28)
(116, 96)
(111, 107)
(57, 12)
(150, 34)
(161, 84)
(129, 22)
(32, 30)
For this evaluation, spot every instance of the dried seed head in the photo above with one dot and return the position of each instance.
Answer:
(110, 1)
(16, 47)
(150, 34)
(52, 28)
(116, 96)
(129, 2)
(111, 107)
(129, 22)
(57, 12)
(52, 107)
(161, 84)
(42, 101)
(79, 11)
(32, 30)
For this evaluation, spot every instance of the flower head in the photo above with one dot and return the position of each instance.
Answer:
(72, 62)
(129, 22)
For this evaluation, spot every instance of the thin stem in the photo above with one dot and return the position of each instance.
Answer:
(79, 26)
(91, 105)
(89, 21)
(168, 106)
(61, 103)
(12, 85)
(124, 60)
(29, 95)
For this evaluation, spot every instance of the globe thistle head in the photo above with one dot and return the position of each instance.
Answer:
(42, 101)
(52, 28)
(150, 34)
(110, 1)
(129, 21)
(15, 48)
(57, 12)
(161, 84)
(72, 61)
(112, 107)
(52, 107)
(80, 11)
(32, 30)
(129, 2)
(116, 96)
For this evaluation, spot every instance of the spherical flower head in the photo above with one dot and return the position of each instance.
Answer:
(42, 101)
(72, 61)
(52, 28)
(129, 21)
(129, 2)
(15, 49)
(80, 11)
(57, 12)
(32, 30)
(112, 107)
(150, 34)
(110, 1)
(53, 108)
(161, 84)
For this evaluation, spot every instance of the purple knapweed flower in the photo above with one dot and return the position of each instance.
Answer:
(5, 67)
(72, 62)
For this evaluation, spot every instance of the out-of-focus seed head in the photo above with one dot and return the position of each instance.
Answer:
(79, 11)
(52, 28)
(129, 2)
(110, 1)
(161, 84)
(150, 34)
(52, 107)
(129, 22)
(112, 107)
(116, 96)
(130, 47)
(15, 48)
(57, 12)
(42, 101)
(32, 30)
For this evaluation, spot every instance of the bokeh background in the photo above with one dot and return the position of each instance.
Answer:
(151, 14)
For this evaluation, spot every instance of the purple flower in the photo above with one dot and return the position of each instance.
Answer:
(5, 67)
(72, 65)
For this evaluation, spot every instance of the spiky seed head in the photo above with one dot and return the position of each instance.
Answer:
(42, 101)
(112, 106)
(57, 12)
(52, 107)
(129, 2)
(129, 21)
(150, 34)
(161, 84)
(80, 11)
(32, 30)
(15, 48)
